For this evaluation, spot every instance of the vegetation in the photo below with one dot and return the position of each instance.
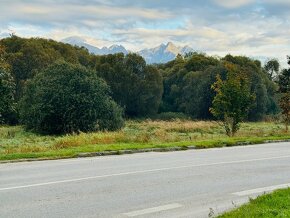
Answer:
(66, 98)
(272, 67)
(188, 81)
(16, 143)
(276, 204)
(27, 57)
(135, 86)
(284, 89)
(233, 99)
(7, 88)
(57, 88)
(180, 86)
(7, 105)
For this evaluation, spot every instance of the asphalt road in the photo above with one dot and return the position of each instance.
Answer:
(176, 184)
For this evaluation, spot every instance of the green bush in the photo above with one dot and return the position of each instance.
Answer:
(67, 98)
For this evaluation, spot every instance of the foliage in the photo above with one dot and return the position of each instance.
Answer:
(197, 91)
(272, 67)
(67, 98)
(182, 85)
(187, 85)
(135, 86)
(7, 106)
(29, 56)
(186, 82)
(263, 88)
(284, 89)
(7, 88)
(167, 116)
(233, 99)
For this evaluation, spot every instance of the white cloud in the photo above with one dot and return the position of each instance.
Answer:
(214, 26)
(285, 2)
(233, 3)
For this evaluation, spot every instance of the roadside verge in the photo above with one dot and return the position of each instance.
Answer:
(178, 146)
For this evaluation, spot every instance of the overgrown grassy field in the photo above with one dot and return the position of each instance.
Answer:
(16, 143)
(276, 204)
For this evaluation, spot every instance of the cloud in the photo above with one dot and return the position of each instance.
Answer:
(250, 27)
(283, 2)
(233, 3)
(60, 13)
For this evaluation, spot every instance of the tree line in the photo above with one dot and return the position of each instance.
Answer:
(43, 84)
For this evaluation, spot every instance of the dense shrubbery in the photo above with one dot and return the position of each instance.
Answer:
(66, 98)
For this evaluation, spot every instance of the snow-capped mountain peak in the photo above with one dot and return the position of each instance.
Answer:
(74, 40)
(160, 54)
(81, 42)
(170, 47)
(164, 53)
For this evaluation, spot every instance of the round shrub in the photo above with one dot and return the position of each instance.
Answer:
(67, 98)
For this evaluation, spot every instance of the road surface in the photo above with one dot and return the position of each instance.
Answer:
(192, 183)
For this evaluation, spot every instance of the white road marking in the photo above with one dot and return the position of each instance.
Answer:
(153, 210)
(138, 172)
(261, 190)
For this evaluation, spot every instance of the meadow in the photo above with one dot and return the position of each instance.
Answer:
(17, 143)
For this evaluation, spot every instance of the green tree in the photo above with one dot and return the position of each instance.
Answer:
(67, 98)
(197, 94)
(260, 85)
(29, 56)
(7, 105)
(284, 89)
(233, 99)
(272, 67)
(135, 86)
(186, 85)
(7, 90)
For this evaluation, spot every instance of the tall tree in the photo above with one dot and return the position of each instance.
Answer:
(7, 89)
(135, 86)
(272, 67)
(260, 85)
(284, 89)
(233, 99)
(29, 56)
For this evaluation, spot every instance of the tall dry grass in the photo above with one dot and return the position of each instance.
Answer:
(15, 139)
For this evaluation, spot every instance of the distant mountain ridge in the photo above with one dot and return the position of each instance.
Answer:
(160, 54)
(78, 41)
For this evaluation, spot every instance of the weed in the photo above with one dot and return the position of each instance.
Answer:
(16, 143)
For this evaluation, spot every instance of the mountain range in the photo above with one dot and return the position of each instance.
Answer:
(160, 54)
(78, 41)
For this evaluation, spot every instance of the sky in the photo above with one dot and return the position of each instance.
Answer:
(256, 28)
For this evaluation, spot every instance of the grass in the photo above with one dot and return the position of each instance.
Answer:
(276, 205)
(16, 143)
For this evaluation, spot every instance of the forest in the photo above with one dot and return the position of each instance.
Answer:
(36, 69)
